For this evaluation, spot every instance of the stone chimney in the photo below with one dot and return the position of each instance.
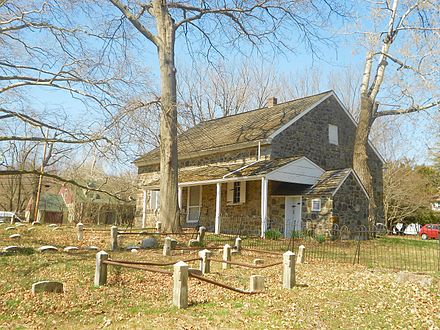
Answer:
(271, 102)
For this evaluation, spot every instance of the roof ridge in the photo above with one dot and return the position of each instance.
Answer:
(253, 110)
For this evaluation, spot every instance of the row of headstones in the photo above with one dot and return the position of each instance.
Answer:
(49, 248)
(181, 274)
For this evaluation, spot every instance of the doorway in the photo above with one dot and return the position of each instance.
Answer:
(292, 215)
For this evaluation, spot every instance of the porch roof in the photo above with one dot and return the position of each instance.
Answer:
(229, 171)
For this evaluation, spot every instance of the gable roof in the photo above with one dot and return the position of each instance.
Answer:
(330, 182)
(251, 126)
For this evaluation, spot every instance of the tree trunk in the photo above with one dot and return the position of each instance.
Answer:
(169, 209)
(360, 156)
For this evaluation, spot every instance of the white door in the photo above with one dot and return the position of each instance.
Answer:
(194, 203)
(292, 214)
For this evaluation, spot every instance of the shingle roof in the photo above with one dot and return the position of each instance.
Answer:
(329, 182)
(230, 170)
(249, 126)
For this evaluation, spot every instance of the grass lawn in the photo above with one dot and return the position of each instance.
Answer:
(329, 295)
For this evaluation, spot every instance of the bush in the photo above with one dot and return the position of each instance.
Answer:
(320, 238)
(273, 234)
(296, 234)
(423, 216)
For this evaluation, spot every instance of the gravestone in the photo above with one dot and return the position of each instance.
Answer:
(15, 236)
(31, 229)
(19, 224)
(92, 248)
(258, 262)
(36, 223)
(52, 225)
(10, 228)
(256, 283)
(57, 228)
(11, 248)
(47, 286)
(70, 249)
(47, 248)
(149, 243)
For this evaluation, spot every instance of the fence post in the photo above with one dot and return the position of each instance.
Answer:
(101, 268)
(180, 287)
(201, 234)
(238, 244)
(167, 246)
(205, 263)
(158, 227)
(80, 231)
(300, 258)
(114, 238)
(226, 256)
(256, 283)
(288, 270)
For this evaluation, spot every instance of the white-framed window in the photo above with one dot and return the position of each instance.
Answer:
(333, 137)
(194, 203)
(236, 192)
(154, 199)
(316, 204)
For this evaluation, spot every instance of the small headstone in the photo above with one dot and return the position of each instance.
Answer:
(14, 236)
(70, 248)
(408, 278)
(10, 228)
(36, 223)
(19, 224)
(149, 243)
(31, 229)
(258, 262)
(11, 248)
(193, 242)
(53, 225)
(134, 250)
(143, 232)
(47, 286)
(57, 228)
(2, 221)
(256, 283)
(47, 248)
(133, 247)
(92, 248)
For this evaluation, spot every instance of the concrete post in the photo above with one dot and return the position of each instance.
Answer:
(226, 256)
(12, 219)
(256, 283)
(114, 238)
(201, 234)
(80, 231)
(205, 263)
(167, 246)
(180, 287)
(300, 257)
(238, 244)
(288, 270)
(101, 268)
(158, 227)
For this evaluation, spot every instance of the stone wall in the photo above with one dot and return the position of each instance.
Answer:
(309, 137)
(350, 205)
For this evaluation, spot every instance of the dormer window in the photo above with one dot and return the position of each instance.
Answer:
(333, 134)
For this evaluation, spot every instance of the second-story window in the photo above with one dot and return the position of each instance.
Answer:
(333, 134)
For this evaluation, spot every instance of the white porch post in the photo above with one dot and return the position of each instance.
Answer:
(179, 197)
(264, 188)
(144, 208)
(218, 203)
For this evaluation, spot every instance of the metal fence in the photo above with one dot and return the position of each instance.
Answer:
(373, 247)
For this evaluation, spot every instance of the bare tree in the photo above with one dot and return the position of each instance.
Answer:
(411, 87)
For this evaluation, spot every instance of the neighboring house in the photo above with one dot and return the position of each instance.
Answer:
(285, 167)
(95, 207)
(435, 203)
(51, 209)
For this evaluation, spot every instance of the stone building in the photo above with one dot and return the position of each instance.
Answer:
(286, 167)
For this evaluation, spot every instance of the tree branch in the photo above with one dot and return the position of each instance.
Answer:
(406, 111)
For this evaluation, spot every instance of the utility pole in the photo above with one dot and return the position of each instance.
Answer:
(40, 181)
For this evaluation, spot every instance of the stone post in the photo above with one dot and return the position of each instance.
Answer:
(167, 246)
(205, 263)
(201, 234)
(101, 268)
(158, 227)
(180, 287)
(256, 283)
(12, 219)
(226, 256)
(80, 231)
(300, 257)
(288, 270)
(238, 244)
(114, 238)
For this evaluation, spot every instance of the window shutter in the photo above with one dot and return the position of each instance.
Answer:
(333, 134)
(230, 193)
(152, 199)
(242, 192)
